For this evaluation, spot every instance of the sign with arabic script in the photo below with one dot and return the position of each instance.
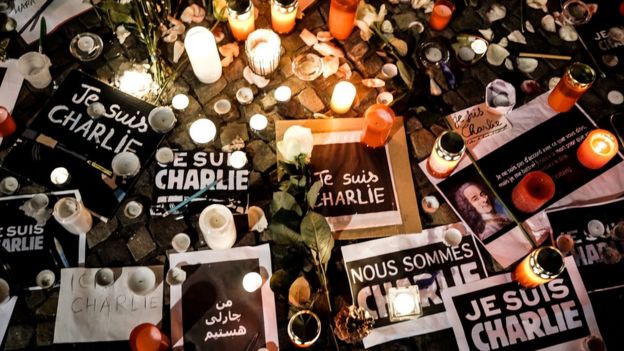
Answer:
(213, 310)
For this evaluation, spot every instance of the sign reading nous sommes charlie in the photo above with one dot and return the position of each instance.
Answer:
(497, 314)
(421, 259)
(64, 135)
(358, 186)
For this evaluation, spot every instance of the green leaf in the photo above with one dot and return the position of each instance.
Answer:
(313, 193)
(283, 200)
(406, 73)
(317, 236)
(282, 235)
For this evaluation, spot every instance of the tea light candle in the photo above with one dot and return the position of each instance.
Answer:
(181, 242)
(244, 96)
(59, 176)
(539, 267)
(202, 131)
(238, 159)
(216, 224)
(252, 281)
(104, 277)
(258, 122)
(448, 150)
(7, 124)
(283, 14)
(45, 279)
(222, 107)
(73, 215)
(597, 149)
(142, 281)
(263, 49)
(403, 303)
(176, 276)
(201, 48)
(342, 97)
(180, 102)
(282, 94)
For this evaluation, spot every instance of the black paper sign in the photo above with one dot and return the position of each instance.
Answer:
(218, 314)
(3, 71)
(86, 145)
(30, 247)
(604, 33)
(576, 221)
(358, 188)
(193, 171)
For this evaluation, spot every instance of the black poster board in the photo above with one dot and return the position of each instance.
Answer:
(575, 221)
(218, 314)
(29, 247)
(86, 145)
(604, 33)
(194, 170)
(3, 71)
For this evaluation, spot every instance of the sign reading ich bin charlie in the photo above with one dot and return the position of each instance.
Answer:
(63, 134)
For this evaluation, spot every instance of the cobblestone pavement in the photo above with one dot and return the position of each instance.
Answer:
(146, 240)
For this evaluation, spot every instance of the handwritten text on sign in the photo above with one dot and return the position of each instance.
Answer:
(475, 123)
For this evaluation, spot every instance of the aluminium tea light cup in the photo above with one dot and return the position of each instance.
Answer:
(222, 107)
(385, 98)
(258, 122)
(37, 203)
(181, 242)
(126, 164)
(282, 94)
(238, 159)
(595, 228)
(142, 281)
(133, 209)
(430, 204)
(452, 237)
(180, 102)
(216, 224)
(45, 279)
(244, 95)
(164, 156)
(96, 110)
(104, 277)
(252, 281)
(9, 185)
(60, 176)
(388, 71)
(202, 131)
(175, 276)
(73, 215)
(161, 119)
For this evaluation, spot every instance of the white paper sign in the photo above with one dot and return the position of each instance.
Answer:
(10, 84)
(497, 314)
(88, 312)
(477, 122)
(6, 310)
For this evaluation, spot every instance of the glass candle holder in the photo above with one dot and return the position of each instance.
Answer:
(283, 15)
(7, 123)
(533, 191)
(263, 49)
(342, 97)
(73, 215)
(598, 148)
(342, 18)
(147, 336)
(241, 18)
(304, 328)
(378, 121)
(448, 150)
(216, 223)
(576, 12)
(441, 14)
(576, 80)
(403, 303)
(86, 46)
(539, 267)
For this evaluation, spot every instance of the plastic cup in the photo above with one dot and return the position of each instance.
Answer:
(35, 68)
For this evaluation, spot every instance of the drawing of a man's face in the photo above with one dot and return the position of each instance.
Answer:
(478, 199)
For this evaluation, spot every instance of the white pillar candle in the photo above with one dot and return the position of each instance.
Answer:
(217, 226)
(263, 48)
(282, 94)
(238, 159)
(342, 97)
(202, 131)
(201, 49)
(180, 102)
(258, 122)
(72, 215)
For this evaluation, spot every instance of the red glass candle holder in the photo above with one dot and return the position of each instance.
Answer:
(441, 14)
(7, 124)
(577, 79)
(597, 149)
(533, 191)
(147, 337)
(378, 121)
(342, 18)
(539, 267)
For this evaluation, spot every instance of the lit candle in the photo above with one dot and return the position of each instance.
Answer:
(342, 97)
(59, 176)
(252, 281)
(180, 102)
(258, 122)
(216, 224)
(7, 124)
(378, 122)
(403, 303)
(202, 131)
(597, 149)
(244, 95)
(534, 190)
(283, 14)
(201, 49)
(238, 159)
(282, 94)
(72, 215)
(263, 49)
(241, 18)
(539, 267)
(222, 107)
(448, 150)
(441, 14)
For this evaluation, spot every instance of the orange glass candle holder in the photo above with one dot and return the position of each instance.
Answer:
(448, 150)
(7, 123)
(147, 337)
(378, 121)
(283, 14)
(441, 14)
(539, 267)
(533, 191)
(576, 80)
(241, 18)
(597, 149)
(342, 18)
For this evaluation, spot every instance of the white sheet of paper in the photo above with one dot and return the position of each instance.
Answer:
(57, 13)
(10, 85)
(6, 310)
(88, 312)
(261, 252)
(476, 123)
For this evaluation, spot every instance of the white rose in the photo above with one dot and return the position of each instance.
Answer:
(297, 140)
